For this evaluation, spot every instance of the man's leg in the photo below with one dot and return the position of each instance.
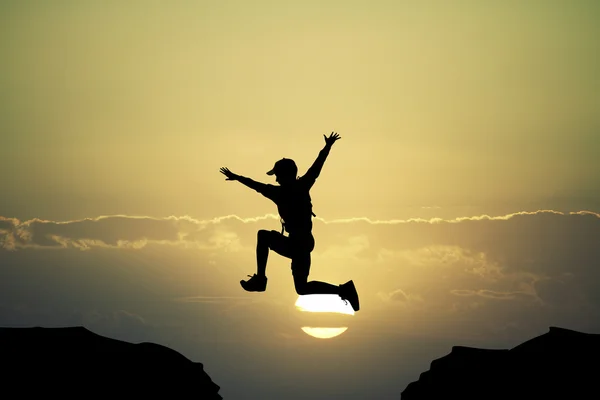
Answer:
(266, 240)
(300, 270)
(262, 251)
(269, 240)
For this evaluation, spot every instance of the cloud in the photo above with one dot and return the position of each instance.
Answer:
(489, 294)
(400, 296)
(7, 236)
(137, 231)
(109, 231)
(118, 324)
(120, 231)
(120, 319)
(563, 291)
(213, 299)
(7, 224)
(454, 220)
(538, 265)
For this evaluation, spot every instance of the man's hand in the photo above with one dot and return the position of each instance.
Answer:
(230, 175)
(329, 141)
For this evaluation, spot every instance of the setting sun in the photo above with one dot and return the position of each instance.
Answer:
(323, 303)
(323, 333)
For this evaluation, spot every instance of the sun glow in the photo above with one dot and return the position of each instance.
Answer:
(323, 333)
(323, 303)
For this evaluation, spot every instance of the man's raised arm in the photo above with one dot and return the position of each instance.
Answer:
(313, 172)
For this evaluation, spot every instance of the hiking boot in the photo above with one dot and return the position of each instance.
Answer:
(255, 283)
(348, 294)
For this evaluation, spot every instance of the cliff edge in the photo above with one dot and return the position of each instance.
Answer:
(75, 362)
(561, 363)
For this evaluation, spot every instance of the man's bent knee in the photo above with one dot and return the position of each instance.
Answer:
(301, 284)
(301, 289)
(264, 235)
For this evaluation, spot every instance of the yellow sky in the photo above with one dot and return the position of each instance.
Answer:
(448, 110)
(444, 110)
(132, 108)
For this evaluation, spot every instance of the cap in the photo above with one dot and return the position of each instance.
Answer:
(285, 165)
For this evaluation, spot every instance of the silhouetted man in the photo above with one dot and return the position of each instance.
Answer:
(293, 202)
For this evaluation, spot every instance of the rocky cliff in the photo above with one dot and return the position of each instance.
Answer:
(74, 362)
(560, 364)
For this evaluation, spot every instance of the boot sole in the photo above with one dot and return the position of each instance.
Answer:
(252, 290)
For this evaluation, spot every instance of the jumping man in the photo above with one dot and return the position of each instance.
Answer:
(294, 205)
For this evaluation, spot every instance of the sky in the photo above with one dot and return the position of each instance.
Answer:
(462, 200)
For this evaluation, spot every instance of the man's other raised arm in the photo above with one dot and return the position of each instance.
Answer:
(315, 170)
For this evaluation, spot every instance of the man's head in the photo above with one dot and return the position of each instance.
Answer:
(285, 170)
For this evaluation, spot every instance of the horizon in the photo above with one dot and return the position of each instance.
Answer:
(462, 199)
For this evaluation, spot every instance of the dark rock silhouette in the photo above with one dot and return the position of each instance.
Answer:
(75, 362)
(559, 364)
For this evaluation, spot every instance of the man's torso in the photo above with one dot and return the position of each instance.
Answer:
(295, 207)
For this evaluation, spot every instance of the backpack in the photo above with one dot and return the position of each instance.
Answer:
(295, 205)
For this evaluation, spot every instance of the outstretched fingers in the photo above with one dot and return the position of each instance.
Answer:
(332, 138)
(225, 171)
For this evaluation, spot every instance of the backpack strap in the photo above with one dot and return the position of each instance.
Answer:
(283, 223)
